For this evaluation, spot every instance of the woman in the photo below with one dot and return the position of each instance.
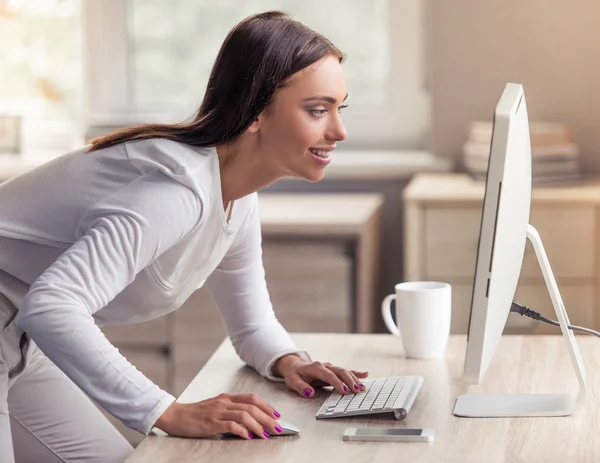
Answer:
(126, 229)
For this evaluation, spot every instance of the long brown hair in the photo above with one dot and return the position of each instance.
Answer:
(257, 57)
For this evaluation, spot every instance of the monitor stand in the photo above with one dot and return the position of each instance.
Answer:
(514, 405)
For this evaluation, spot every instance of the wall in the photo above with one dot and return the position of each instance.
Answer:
(550, 46)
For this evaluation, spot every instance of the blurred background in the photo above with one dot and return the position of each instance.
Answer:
(402, 197)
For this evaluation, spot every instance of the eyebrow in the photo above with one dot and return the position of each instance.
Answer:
(328, 99)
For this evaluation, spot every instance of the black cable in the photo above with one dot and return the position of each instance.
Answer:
(525, 311)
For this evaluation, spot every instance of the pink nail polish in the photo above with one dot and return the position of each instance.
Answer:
(250, 435)
(307, 392)
(346, 389)
(276, 413)
(278, 428)
(266, 434)
(356, 387)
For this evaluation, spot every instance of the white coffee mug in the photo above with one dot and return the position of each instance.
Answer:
(423, 313)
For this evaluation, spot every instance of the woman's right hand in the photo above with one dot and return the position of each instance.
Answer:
(246, 415)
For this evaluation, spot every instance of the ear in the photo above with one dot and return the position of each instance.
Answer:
(255, 126)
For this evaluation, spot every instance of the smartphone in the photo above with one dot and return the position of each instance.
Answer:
(388, 435)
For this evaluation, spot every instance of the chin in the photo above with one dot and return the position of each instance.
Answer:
(315, 176)
(312, 172)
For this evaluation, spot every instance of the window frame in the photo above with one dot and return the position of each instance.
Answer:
(404, 123)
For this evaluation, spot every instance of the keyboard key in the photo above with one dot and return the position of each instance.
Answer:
(333, 398)
(346, 400)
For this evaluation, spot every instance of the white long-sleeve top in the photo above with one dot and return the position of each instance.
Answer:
(122, 235)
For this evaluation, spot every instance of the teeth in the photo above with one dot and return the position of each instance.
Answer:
(320, 153)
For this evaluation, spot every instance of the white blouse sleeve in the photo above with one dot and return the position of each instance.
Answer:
(125, 234)
(238, 286)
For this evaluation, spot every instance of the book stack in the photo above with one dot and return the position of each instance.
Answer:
(554, 154)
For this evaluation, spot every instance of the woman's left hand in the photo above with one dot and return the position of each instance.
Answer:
(303, 376)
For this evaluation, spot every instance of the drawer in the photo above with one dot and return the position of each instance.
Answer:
(153, 333)
(451, 239)
(310, 286)
(568, 236)
(450, 245)
(578, 299)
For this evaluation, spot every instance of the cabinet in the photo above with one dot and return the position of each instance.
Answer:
(442, 220)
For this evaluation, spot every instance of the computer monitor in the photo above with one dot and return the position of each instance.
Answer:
(503, 234)
(503, 231)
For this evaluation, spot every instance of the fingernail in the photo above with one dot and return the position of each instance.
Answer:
(362, 384)
(250, 435)
(266, 434)
(356, 387)
(346, 389)
(307, 392)
(276, 413)
(278, 428)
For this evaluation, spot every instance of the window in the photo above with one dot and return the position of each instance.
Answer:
(40, 72)
(171, 61)
(149, 60)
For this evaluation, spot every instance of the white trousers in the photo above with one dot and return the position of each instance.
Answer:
(44, 416)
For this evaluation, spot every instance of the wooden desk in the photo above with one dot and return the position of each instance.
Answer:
(352, 217)
(522, 364)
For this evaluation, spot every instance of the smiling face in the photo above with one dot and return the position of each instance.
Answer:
(301, 126)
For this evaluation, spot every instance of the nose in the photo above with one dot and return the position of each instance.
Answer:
(337, 131)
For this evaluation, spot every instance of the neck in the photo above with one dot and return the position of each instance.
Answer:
(243, 169)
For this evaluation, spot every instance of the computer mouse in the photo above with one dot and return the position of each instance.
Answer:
(288, 430)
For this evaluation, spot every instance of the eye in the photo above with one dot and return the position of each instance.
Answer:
(318, 112)
(342, 107)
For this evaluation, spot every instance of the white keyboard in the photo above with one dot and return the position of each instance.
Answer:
(392, 394)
